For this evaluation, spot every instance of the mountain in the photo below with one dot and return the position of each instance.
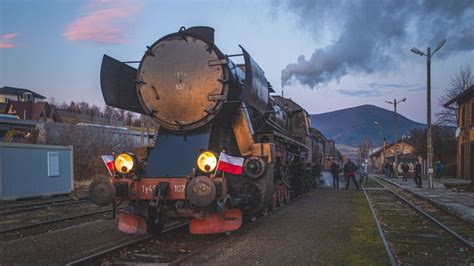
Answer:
(352, 125)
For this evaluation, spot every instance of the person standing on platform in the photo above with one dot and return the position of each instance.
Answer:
(387, 171)
(411, 170)
(437, 169)
(335, 174)
(418, 174)
(405, 169)
(349, 170)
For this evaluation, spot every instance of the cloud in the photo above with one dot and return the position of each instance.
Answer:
(394, 86)
(379, 89)
(374, 36)
(103, 22)
(362, 93)
(6, 40)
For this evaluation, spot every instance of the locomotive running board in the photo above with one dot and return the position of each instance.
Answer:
(217, 223)
(131, 224)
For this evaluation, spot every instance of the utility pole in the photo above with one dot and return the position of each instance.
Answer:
(395, 130)
(429, 139)
(383, 140)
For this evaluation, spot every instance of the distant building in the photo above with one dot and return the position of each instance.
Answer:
(3, 107)
(37, 111)
(18, 94)
(465, 132)
(74, 117)
(404, 148)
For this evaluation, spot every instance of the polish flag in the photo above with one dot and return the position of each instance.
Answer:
(109, 163)
(230, 164)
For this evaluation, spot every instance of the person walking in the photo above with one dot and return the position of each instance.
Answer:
(335, 174)
(418, 174)
(405, 169)
(411, 170)
(349, 170)
(390, 170)
(437, 169)
(363, 173)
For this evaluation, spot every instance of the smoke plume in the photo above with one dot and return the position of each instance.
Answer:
(372, 35)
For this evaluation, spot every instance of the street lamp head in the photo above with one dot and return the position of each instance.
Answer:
(404, 99)
(389, 102)
(440, 44)
(377, 123)
(416, 51)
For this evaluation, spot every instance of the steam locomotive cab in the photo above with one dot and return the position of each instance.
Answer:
(206, 106)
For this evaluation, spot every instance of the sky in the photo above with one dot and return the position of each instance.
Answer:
(325, 55)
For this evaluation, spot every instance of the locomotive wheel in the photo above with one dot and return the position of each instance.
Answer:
(275, 198)
(281, 194)
(287, 195)
(254, 167)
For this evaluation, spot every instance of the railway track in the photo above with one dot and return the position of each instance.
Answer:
(21, 227)
(96, 257)
(42, 205)
(416, 232)
(171, 247)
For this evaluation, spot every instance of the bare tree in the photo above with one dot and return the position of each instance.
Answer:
(89, 144)
(459, 82)
(364, 149)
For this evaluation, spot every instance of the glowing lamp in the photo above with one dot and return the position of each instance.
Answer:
(207, 161)
(124, 163)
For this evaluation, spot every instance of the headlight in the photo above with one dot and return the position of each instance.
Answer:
(206, 161)
(124, 163)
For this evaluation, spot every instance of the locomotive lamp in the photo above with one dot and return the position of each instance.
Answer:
(124, 163)
(206, 161)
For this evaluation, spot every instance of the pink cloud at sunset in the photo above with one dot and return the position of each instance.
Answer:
(102, 22)
(6, 40)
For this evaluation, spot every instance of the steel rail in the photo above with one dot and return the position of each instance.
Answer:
(16, 228)
(431, 218)
(379, 228)
(42, 203)
(169, 228)
(123, 245)
(40, 206)
(439, 206)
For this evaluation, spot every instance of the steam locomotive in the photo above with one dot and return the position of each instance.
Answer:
(205, 105)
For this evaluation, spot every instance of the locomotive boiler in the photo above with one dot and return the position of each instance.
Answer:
(205, 105)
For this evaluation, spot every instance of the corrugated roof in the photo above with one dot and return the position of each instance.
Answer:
(16, 91)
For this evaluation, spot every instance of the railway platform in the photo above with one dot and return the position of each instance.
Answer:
(443, 195)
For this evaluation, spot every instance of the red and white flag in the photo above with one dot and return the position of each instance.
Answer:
(230, 164)
(109, 163)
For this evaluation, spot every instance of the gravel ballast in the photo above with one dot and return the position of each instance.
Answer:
(317, 229)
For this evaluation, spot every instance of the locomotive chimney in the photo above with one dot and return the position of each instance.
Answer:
(202, 32)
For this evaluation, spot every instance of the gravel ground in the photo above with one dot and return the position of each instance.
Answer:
(317, 229)
(62, 246)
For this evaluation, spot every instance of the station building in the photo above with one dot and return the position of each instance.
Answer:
(403, 148)
(464, 103)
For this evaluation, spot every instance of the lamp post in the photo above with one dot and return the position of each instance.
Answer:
(383, 140)
(429, 140)
(395, 129)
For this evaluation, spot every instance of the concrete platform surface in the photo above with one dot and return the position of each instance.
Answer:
(456, 202)
(318, 229)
